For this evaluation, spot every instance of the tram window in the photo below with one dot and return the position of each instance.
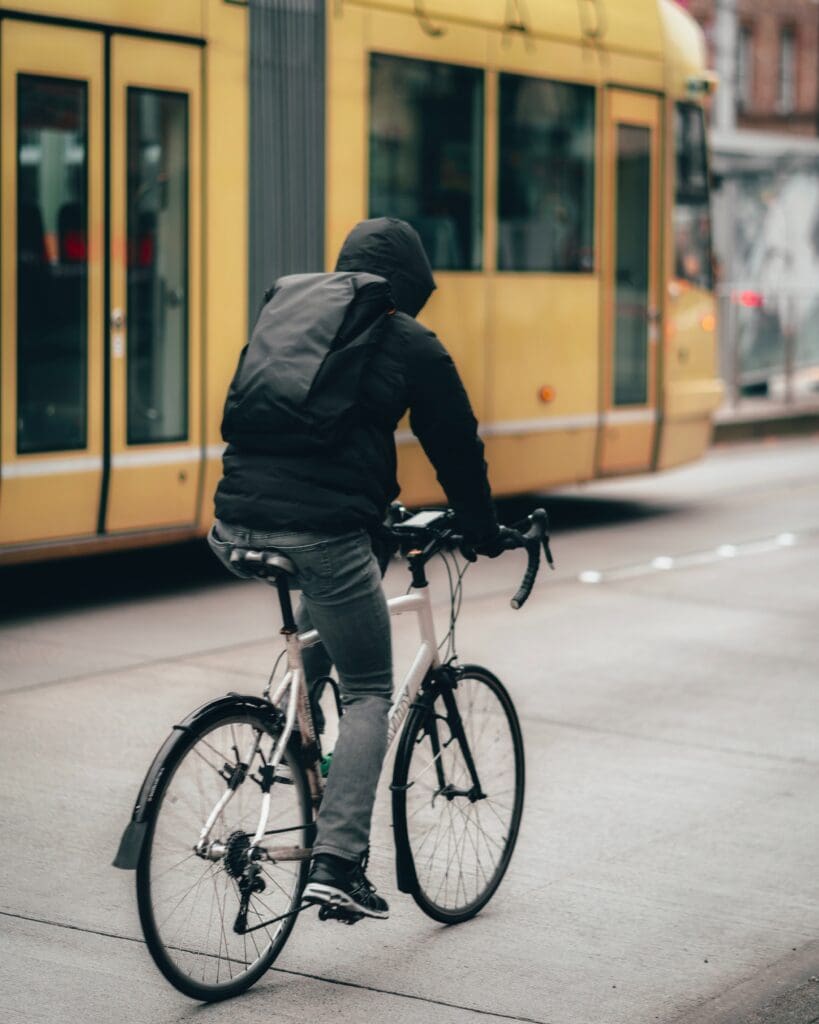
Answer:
(426, 144)
(157, 280)
(632, 264)
(546, 176)
(52, 263)
(692, 212)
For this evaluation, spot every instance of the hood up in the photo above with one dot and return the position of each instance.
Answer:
(391, 248)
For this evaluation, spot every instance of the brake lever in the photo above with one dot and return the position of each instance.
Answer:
(547, 551)
(540, 525)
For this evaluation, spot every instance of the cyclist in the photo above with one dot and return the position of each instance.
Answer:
(320, 499)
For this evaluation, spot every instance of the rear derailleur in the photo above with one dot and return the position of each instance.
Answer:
(246, 871)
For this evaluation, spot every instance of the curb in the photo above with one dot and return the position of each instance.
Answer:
(757, 427)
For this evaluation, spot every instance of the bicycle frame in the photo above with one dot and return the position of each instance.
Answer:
(451, 722)
(291, 698)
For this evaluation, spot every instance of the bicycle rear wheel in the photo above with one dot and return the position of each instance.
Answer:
(456, 828)
(188, 904)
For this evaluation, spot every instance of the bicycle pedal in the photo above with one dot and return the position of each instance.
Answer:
(339, 914)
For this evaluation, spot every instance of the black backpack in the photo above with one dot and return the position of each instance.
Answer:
(298, 382)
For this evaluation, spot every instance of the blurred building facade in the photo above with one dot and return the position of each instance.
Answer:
(775, 82)
(765, 164)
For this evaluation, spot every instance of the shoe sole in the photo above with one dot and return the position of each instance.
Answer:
(330, 896)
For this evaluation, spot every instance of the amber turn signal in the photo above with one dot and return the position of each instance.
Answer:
(547, 393)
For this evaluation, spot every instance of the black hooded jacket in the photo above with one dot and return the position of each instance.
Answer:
(277, 479)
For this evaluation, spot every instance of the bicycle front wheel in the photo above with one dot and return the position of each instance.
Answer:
(458, 793)
(204, 915)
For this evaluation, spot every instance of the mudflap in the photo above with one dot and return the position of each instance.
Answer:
(405, 870)
(130, 846)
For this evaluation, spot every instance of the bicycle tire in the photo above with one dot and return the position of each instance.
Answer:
(483, 703)
(177, 798)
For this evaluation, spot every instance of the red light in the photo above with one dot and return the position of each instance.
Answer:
(145, 251)
(751, 300)
(74, 247)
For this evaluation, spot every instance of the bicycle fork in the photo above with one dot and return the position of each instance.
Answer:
(457, 734)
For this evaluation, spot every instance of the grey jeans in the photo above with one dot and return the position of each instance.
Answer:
(343, 599)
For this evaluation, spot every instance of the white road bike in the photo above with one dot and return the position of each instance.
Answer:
(222, 829)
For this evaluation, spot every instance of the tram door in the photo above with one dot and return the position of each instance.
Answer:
(632, 281)
(154, 326)
(52, 282)
(101, 235)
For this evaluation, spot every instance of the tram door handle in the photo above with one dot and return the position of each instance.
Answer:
(653, 316)
(117, 324)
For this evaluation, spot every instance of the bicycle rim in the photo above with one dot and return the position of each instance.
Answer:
(188, 905)
(460, 845)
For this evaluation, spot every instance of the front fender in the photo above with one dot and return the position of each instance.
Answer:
(406, 876)
(133, 838)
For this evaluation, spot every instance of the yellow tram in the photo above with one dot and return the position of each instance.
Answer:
(157, 157)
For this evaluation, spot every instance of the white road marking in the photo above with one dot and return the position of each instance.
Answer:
(590, 576)
(663, 563)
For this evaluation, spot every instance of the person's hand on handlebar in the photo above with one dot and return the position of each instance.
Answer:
(535, 536)
(504, 540)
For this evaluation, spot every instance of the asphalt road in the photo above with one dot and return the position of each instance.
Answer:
(667, 677)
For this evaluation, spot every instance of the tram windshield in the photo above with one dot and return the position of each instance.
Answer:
(692, 211)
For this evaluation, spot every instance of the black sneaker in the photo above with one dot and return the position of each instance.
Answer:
(341, 884)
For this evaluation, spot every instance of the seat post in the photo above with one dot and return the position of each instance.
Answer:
(283, 590)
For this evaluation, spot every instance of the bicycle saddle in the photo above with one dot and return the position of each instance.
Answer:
(266, 564)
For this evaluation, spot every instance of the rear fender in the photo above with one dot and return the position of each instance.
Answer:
(133, 838)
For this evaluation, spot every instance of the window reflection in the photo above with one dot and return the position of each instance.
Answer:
(546, 175)
(426, 141)
(632, 265)
(157, 266)
(52, 263)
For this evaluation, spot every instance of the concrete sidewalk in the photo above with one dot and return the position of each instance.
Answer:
(665, 871)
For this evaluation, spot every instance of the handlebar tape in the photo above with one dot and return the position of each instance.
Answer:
(525, 588)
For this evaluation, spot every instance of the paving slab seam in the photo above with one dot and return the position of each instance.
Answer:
(498, 1015)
